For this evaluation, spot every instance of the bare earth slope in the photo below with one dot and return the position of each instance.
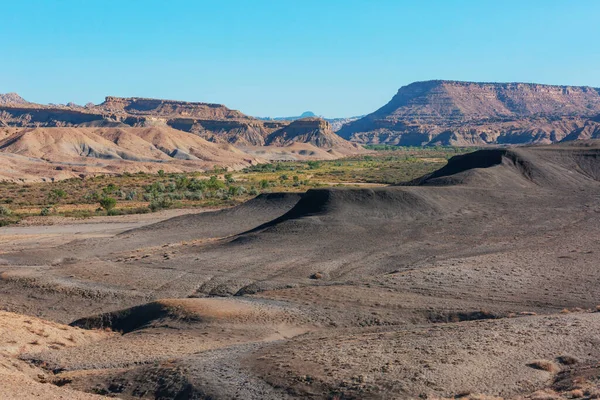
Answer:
(213, 122)
(470, 113)
(68, 152)
(421, 291)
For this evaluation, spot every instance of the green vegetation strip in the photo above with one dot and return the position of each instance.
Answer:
(141, 192)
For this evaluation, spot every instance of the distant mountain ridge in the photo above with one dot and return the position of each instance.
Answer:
(472, 113)
(11, 98)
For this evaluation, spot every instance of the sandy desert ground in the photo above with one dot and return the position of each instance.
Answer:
(478, 281)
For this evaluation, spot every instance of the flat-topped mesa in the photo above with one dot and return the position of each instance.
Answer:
(168, 108)
(476, 113)
(454, 100)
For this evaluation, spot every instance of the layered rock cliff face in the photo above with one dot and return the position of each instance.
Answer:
(167, 108)
(213, 122)
(468, 113)
(315, 131)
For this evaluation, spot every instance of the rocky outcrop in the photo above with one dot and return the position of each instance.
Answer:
(45, 116)
(167, 108)
(11, 98)
(469, 113)
(239, 131)
(315, 131)
(213, 122)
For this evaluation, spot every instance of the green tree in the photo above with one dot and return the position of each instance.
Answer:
(108, 203)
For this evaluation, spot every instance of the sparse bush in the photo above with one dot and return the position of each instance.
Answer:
(161, 173)
(109, 189)
(229, 178)
(175, 196)
(182, 182)
(108, 203)
(131, 195)
(5, 211)
(253, 191)
(148, 196)
(214, 183)
(92, 197)
(313, 164)
(237, 190)
(160, 203)
(56, 195)
(45, 211)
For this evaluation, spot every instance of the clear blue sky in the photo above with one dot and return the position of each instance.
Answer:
(282, 57)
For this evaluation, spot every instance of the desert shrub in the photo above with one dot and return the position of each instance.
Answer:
(161, 172)
(92, 197)
(197, 195)
(264, 183)
(5, 211)
(313, 164)
(131, 195)
(196, 185)
(214, 183)
(229, 178)
(46, 211)
(253, 191)
(236, 190)
(283, 177)
(110, 188)
(182, 182)
(56, 195)
(175, 196)
(160, 203)
(156, 187)
(108, 203)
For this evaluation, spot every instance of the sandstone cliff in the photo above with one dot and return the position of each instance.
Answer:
(315, 131)
(213, 122)
(468, 113)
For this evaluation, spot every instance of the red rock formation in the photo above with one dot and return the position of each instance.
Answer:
(450, 112)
